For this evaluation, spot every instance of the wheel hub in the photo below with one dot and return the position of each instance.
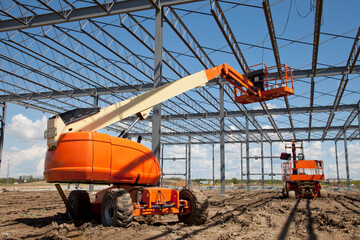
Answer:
(109, 212)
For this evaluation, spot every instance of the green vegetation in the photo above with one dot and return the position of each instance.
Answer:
(237, 181)
(257, 182)
(21, 179)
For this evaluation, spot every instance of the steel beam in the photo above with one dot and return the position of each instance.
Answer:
(349, 120)
(244, 141)
(86, 13)
(317, 25)
(324, 72)
(225, 28)
(353, 56)
(175, 22)
(270, 24)
(251, 131)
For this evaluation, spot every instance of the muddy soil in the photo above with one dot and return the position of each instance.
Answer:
(237, 215)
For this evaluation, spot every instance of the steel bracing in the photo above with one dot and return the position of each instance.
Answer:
(59, 55)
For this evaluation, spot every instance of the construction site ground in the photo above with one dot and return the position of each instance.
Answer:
(27, 213)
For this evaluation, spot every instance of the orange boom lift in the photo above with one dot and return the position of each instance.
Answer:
(301, 178)
(78, 154)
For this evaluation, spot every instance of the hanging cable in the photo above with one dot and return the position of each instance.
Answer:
(312, 8)
(287, 20)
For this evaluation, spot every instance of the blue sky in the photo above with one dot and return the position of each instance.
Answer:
(25, 148)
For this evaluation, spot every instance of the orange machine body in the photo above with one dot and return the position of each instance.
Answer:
(307, 170)
(92, 157)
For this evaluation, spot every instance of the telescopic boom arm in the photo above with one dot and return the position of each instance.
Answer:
(142, 104)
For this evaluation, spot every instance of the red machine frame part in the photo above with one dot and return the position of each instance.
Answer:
(119, 204)
(272, 85)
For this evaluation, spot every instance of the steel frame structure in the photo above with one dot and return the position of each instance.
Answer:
(59, 55)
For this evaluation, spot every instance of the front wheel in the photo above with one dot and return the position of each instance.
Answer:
(199, 206)
(117, 208)
(80, 203)
(292, 194)
(323, 193)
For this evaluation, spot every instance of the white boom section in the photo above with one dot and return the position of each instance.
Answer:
(141, 104)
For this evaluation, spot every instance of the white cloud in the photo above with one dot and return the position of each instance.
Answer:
(25, 130)
(25, 162)
(269, 105)
(314, 151)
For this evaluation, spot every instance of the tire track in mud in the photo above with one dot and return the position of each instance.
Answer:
(237, 215)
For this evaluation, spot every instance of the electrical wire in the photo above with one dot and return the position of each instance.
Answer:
(287, 20)
(312, 8)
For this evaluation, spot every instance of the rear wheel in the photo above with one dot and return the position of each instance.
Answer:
(117, 208)
(80, 203)
(292, 194)
(199, 206)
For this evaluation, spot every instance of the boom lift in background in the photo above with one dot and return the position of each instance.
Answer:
(301, 178)
(78, 154)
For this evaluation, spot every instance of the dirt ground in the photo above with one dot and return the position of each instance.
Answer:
(237, 215)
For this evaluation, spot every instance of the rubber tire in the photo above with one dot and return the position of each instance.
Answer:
(80, 202)
(199, 206)
(323, 193)
(292, 194)
(117, 208)
(284, 193)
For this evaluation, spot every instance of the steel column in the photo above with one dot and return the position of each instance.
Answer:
(213, 164)
(262, 164)
(241, 165)
(271, 165)
(189, 163)
(156, 121)
(96, 104)
(186, 166)
(162, 165)
(247, 156)
(2, 129)
(337, 165)
(222, 139)
(346, 162)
